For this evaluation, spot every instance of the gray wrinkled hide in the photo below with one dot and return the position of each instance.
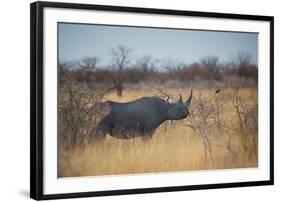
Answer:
(140, 117)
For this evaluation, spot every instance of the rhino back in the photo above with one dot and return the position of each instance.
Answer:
(143, 114)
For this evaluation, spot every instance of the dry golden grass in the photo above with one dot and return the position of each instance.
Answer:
(174, 147)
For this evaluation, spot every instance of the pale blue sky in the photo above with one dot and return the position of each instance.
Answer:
(80, 40)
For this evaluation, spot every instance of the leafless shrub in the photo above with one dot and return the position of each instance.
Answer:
(206, 119)
(162, 93)
(246, 114)
(79, 108)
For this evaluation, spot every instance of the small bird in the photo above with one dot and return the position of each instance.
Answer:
(217, 91)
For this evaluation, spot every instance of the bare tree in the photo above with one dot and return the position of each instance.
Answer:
(242, 61)
(62, 70)
(88, 63)
(146, 63)
(85, 69)
(210, 63)
(120, 56)
(170, 64)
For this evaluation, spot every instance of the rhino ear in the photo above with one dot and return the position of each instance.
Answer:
(180, 100)
(188, 101)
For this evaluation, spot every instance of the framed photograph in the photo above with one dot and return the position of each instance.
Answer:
(129, 100)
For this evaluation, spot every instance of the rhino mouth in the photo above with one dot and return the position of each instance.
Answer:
(184, 116)
(181, 117)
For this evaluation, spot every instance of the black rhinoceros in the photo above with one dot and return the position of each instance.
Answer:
(140, 117)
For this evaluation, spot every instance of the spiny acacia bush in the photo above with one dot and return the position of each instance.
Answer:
(79, 108)
(246, 114)
(209, 121)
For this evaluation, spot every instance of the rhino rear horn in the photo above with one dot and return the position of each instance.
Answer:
(180, 100)
(188, 101)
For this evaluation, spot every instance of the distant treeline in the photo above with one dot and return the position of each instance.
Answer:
(123, 70)
(191, 72)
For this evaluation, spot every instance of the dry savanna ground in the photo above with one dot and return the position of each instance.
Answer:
(221, 133)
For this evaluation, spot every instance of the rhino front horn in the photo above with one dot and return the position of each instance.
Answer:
(188, 101)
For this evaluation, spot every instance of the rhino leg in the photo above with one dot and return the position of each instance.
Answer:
(104, 127)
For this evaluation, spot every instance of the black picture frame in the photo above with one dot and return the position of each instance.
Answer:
(36, 98)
